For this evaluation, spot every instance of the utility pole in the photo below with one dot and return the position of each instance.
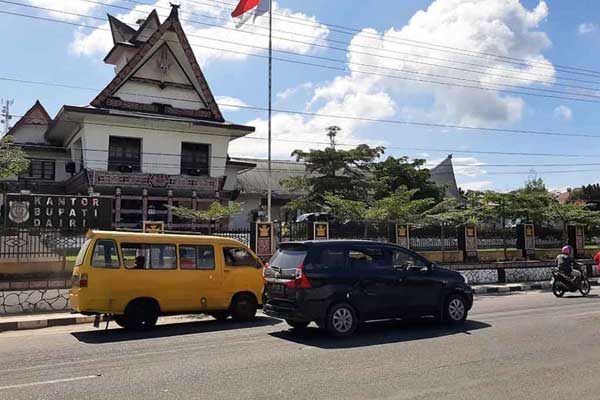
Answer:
(332, 132)
(5, 116)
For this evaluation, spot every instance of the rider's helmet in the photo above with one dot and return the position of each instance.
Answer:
(567, 250)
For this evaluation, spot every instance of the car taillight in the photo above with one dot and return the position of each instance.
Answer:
(300, 279)
(83, 280)
(265, 269)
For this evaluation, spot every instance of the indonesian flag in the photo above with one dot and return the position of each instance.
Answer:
(242, 11)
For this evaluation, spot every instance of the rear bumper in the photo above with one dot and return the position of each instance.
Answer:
(300, 312)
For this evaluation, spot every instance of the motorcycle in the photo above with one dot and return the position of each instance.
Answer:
(562, 283)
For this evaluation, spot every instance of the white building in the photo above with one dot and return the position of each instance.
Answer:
(153, 137)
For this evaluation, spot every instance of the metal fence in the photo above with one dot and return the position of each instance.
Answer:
(52, 244)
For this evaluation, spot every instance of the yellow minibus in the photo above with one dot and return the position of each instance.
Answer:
(136, 277)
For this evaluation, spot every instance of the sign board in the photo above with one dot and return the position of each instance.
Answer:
(59, 212)
(154, 226)
(264, 239)
(402, 236)
(321, 230)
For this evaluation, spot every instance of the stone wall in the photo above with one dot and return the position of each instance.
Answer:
(32, 301)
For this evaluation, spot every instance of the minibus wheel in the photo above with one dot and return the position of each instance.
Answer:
(219, 315)
(243, 307)
(141, 315)
(121, 320)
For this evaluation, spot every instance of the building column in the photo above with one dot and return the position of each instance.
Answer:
(145, 205)
(117, 206)
(169, 212)
(194, 207)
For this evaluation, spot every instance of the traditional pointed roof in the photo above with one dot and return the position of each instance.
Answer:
(36, 115)
(152, 48)
(443, 175)
(121, 32)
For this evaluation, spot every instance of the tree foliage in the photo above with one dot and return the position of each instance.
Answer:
(215, 212)
(12, 159)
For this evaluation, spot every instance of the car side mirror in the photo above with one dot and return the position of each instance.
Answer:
(432, 267)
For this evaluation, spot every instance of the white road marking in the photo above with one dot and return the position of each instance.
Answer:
(23, 385)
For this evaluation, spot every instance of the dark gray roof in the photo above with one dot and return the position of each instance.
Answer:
(443, 175)
(256, 180)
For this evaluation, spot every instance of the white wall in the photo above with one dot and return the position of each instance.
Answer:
(161, 143)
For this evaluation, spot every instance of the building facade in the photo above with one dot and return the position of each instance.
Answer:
(153, 137)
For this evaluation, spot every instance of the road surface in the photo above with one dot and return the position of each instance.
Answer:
(515, 346)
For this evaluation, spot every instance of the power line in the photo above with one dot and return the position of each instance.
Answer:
(295, 40)
(348, 117)
(425, 81)
(353, 31)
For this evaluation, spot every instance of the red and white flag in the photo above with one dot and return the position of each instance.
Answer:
(243, 11)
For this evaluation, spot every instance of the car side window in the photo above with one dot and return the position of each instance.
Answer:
(238, 257)
(105, 254)
(368, 259)
(328, 259)
(149, 256)
(406, 261)
(197, 257)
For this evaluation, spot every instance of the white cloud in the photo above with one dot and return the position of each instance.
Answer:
(290, 92)
(502, 27)
(586, 27)
(210, 42)
(476, 185)
(227, 103)
(563, 112)
(69, 6)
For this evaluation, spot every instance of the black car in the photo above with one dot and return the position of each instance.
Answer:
(338, 284)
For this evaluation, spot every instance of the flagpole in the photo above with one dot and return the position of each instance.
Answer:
(270, 190)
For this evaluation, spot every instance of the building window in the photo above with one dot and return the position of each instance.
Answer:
(194, 159)
(124, 154)
(40, 169)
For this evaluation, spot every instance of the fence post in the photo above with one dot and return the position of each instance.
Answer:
(467, 242)
(264, 240)
(526, 239)
(576, 234)
(403, 235)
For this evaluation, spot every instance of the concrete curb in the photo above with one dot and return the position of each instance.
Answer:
(43, 322)
(519, 287)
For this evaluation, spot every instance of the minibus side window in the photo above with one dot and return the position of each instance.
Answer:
(197, 257)
(149, 256)
(105, 254)
(238, 257)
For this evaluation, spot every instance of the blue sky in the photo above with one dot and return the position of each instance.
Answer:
(550, 35)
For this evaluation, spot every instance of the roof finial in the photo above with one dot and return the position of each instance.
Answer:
(174, 10)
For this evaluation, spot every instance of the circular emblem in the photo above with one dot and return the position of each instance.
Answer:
(159, 181)
(19, 211)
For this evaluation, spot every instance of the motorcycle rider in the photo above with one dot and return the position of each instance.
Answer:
(565, 262)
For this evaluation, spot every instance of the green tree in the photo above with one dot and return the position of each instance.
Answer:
(215, 212)
(394, 173)
(12, 159)
(343, 173)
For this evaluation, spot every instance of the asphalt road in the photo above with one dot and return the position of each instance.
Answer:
(515, 346)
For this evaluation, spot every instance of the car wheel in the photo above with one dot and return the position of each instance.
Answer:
(455, 310)
(243, 308)
(121, 320)
(219, 315)
(298, 325)
(342, 320)
(141, 316)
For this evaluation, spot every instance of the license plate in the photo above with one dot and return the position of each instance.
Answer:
(277, 288)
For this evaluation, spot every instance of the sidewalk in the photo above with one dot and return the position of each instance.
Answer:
(518, 287)
(37, 321)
